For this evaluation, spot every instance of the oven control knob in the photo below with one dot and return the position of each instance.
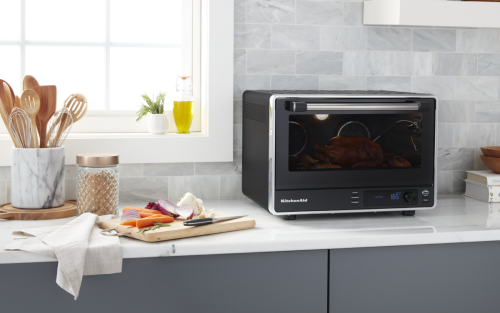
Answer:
(410, 197)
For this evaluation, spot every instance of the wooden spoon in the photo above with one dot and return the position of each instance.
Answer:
(77, 104)
(5, 118)
(48, 100)
(17, 103)
(30, 103)
(29, 82)
(6, 95)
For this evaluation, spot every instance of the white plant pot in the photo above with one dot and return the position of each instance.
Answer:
(37, 180)
(158, 123)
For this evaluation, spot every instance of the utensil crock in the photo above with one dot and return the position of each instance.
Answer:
(37, 180)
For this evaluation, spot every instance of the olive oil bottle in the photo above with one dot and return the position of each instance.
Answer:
(183, 105)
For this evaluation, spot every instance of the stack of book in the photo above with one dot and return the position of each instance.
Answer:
(483, 185)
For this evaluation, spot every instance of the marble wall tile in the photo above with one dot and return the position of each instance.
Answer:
(343, 38)
(342, 82)
(455, 158)
(129, 170)
(237, 136)
(473, 135)
(237, 154)
(434, 40)
(314, 12)
(366, 63)
(69, 171)
(252, 36)
(295, 37)
(445, 135)
(237, 111)
(444, 181)
(143, 189)
(249, 82)
(240, 61)
(411, 63)
(456, 111)
(70, 189)
(478, 40)
(203, 187)
(488, 111)
(477, 87)
(392, 83)
(271, 11)
(271, 61)
(168, 169)
(458, 184)
(353, 13)
(294, 82)
(319, 62)
(389, 39)
(478, 163)
(4, 172)
(488, 65)
(218, 168)
(3, 192)
(240, 11)
(455, 64)
(230, 188)
(442, 87)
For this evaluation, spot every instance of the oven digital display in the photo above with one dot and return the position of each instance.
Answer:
(385, 197)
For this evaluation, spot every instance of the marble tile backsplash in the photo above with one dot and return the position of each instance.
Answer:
(323, 44)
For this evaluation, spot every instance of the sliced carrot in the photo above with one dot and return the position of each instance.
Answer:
(150, 221)
(143, 215)
(129, 223)
(155, 215)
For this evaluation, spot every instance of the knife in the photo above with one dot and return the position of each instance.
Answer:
(209, 220)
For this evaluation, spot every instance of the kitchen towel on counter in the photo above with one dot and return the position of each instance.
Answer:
(78, 246)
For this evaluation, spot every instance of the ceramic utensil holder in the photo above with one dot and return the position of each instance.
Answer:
(37, 178)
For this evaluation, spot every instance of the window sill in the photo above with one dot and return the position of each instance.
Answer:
(140, 147)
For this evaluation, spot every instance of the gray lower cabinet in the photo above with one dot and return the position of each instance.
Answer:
(291, 282)
(455, 278)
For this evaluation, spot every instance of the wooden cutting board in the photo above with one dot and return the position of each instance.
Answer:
(7, 211)
(177, 230)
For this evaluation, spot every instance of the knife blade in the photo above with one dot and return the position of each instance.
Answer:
(210, 220)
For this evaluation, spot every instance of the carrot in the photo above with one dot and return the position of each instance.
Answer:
(146, 222)
(141, 210)
(143, 215)
(129, 223)
(155, 215)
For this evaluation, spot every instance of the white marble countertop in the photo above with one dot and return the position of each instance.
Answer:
(455, 219)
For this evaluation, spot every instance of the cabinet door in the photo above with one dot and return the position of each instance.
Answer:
(457, 278)
(236, 283)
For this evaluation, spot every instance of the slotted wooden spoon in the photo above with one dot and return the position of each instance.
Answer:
(48, 100)
(30, 103)
(77, 105)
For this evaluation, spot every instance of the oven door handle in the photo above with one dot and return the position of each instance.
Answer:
(303, 106)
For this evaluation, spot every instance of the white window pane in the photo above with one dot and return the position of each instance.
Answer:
(9, 67)
(65, 20)
(10, 20)
(72, 70)
(135, 71)
(153, 21)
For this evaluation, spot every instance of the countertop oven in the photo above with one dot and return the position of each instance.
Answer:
(316, 152)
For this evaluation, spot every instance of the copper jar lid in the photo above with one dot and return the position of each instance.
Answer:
(97, 159)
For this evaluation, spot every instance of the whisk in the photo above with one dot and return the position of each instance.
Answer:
(59, 126)
(20, 126)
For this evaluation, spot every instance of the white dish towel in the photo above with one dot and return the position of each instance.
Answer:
(78, 246)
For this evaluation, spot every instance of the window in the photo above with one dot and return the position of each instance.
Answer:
(212, 68)
(110, 50)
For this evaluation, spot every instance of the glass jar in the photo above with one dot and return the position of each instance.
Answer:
(97, 183)
(183, 105)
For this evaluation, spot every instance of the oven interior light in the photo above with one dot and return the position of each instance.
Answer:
(321, 117)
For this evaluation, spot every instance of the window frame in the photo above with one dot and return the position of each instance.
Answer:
(214, 141)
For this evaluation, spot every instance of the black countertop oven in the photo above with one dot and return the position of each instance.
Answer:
(316, 152)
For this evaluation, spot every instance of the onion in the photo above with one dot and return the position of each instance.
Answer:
(167, 208)
(185, 211)
(152, 206)
(130, 215)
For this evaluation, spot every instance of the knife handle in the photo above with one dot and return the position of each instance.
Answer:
(198, 222)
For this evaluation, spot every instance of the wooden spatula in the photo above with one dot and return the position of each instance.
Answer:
(30, 103)
(48, 100)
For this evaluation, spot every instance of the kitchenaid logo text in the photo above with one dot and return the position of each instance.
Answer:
(292, 200)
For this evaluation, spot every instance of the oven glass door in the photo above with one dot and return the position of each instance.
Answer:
(347, 143)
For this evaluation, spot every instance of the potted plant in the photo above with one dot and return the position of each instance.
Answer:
(158, 123)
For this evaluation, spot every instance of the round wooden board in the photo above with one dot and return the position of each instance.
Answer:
(7, 211)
